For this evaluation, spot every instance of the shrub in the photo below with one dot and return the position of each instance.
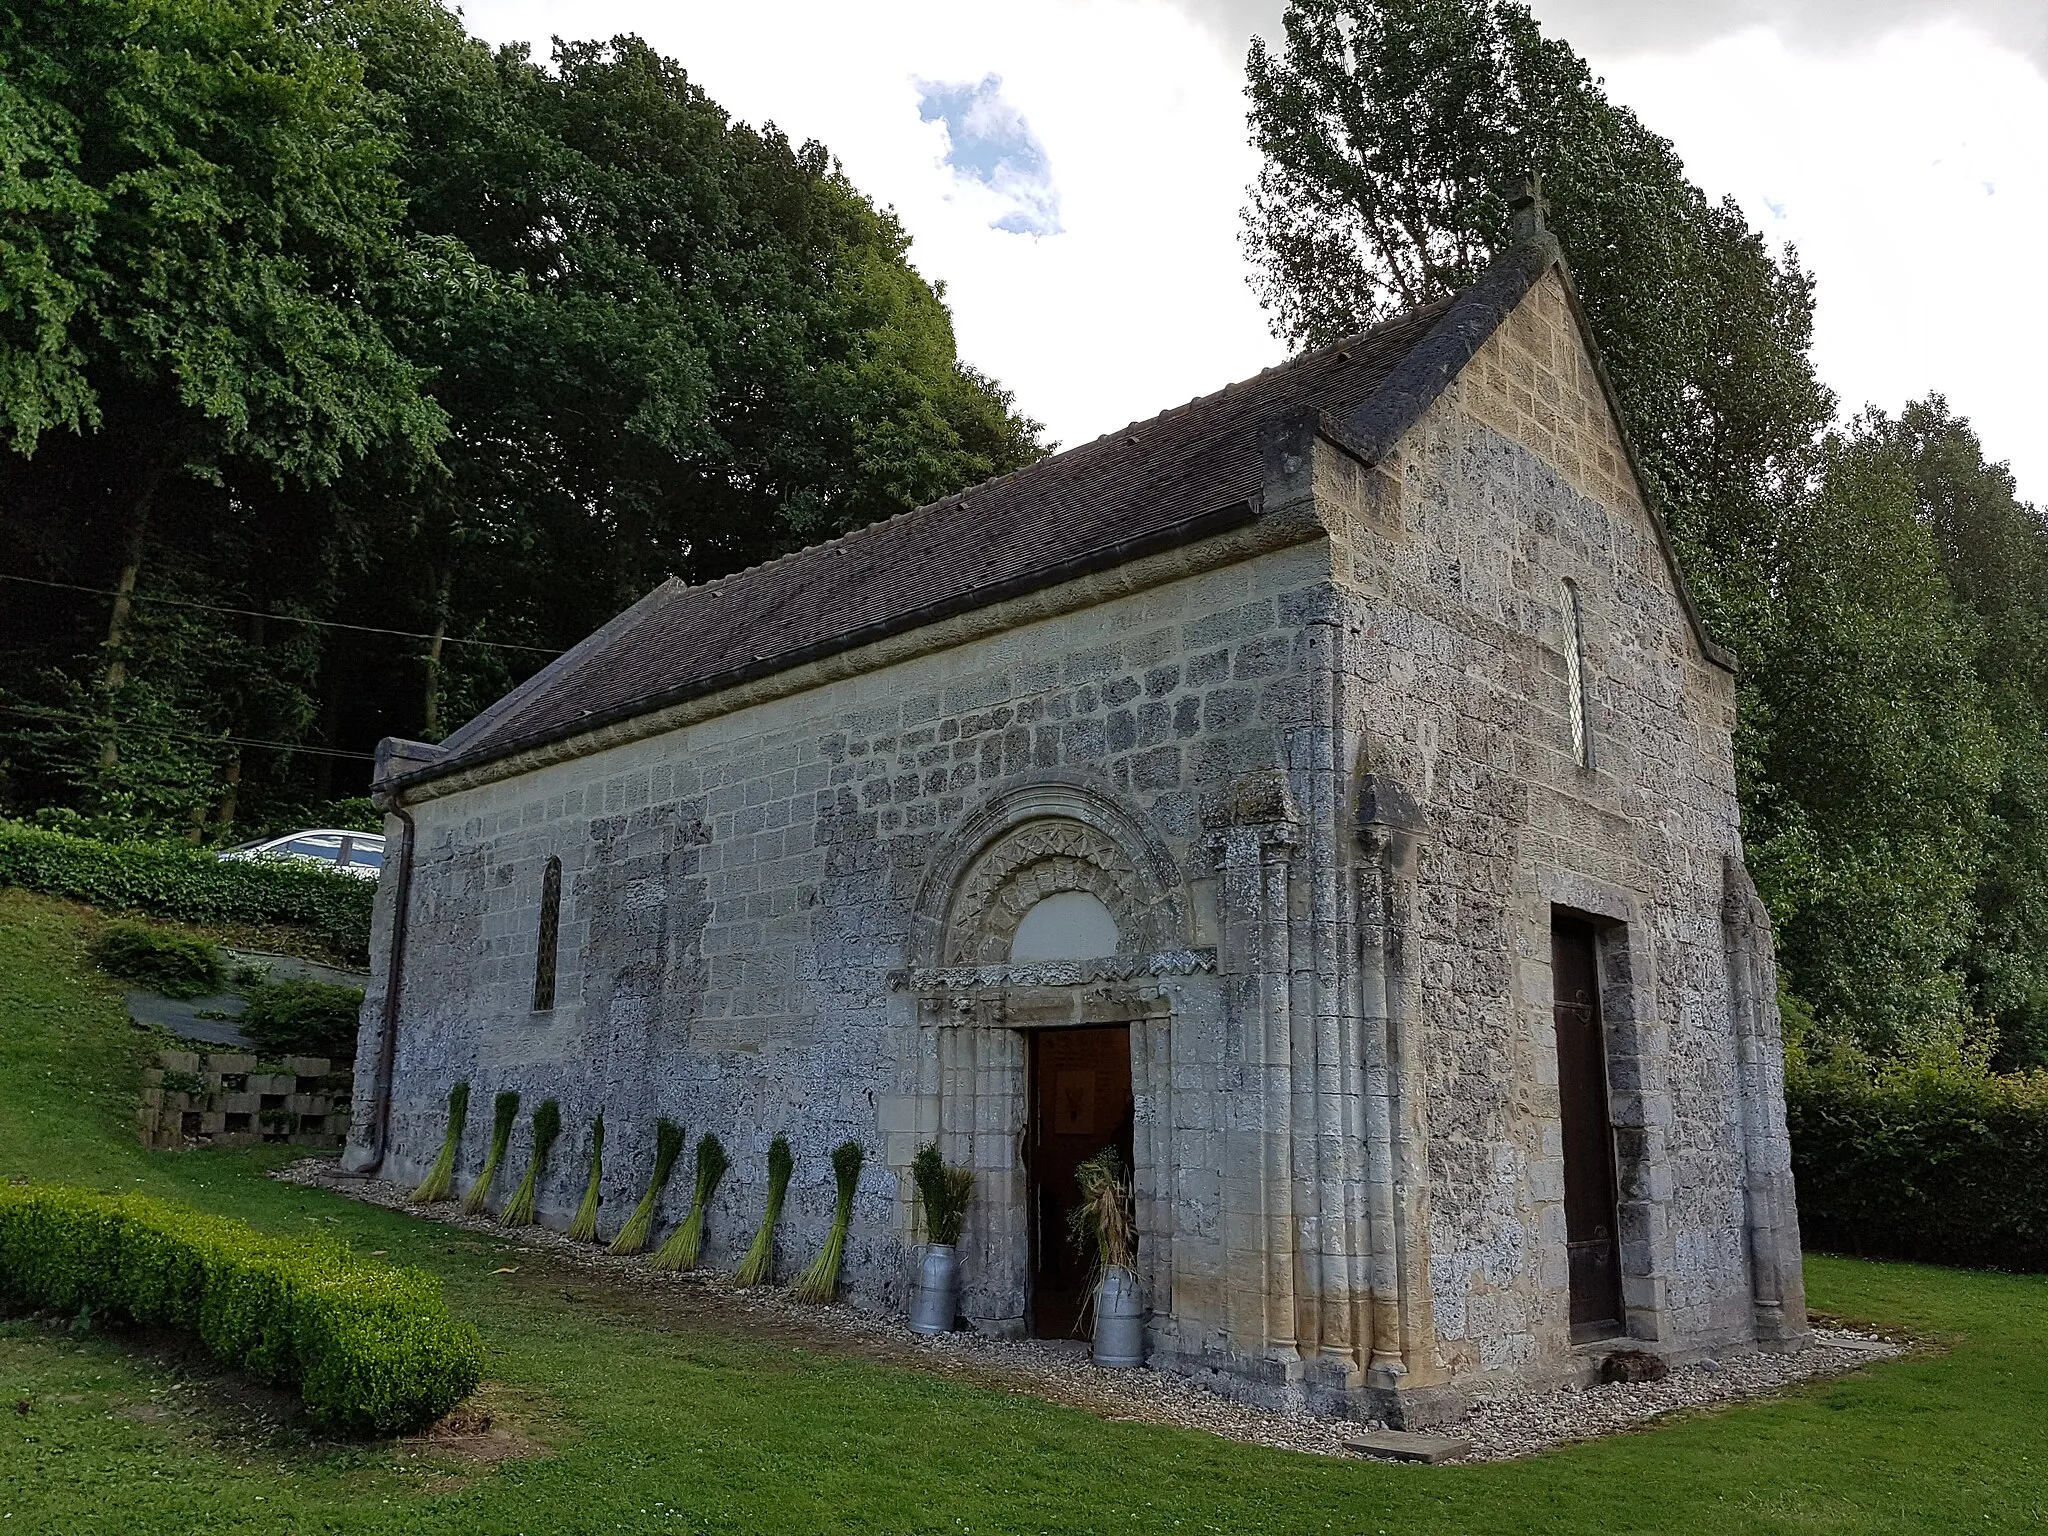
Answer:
(371, 1346)
(190, 885)
(303, 1018)
(170, 963)
(1941, 1166)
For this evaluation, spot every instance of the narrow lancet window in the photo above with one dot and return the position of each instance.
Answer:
(1575, 679)
(550, 931)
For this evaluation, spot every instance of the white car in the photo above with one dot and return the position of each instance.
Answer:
(353, 853)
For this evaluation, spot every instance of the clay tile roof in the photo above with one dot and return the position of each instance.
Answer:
(1186, 473)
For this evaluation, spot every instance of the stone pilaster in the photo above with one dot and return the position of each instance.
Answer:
(1404, 1384)
(1253, 836)
(1771, 1214)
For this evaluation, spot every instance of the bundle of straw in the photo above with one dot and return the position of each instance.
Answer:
(584, 1227)
(668, 1146)
(504, 1110)
(820, 1283)
(440, 1180)
(758, 1267)
(686, 1243)
(547, 1125)
(943, 1192)
(1102, 1223)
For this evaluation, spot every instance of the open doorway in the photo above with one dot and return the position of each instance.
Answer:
(1591, 1218)
(1081, 1102)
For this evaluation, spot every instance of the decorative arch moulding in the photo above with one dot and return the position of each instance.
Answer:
(1047, 835)
(967, 980)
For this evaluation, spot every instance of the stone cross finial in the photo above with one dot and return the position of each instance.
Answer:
(1528, 207)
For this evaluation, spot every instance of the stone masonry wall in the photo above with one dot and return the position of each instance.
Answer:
(1459, 546)
(737, 899)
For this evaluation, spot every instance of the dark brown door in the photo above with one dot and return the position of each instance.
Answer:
(1080, 1103)
(1589, 1195)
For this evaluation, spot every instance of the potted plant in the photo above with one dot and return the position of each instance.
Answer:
(1102, 1225)
(943, 1191)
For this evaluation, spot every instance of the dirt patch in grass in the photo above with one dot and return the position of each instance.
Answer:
(475, 1436)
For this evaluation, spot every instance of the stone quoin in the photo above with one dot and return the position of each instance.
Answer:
(1323, 791)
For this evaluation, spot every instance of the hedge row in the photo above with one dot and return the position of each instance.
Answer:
(372, 1347)
(1940, 1167)
(190, 884)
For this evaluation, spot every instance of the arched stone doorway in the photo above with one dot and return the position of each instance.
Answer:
(1043, 933)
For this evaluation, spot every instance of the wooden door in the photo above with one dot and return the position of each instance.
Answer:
(1080, 1103)
(1590, 1218)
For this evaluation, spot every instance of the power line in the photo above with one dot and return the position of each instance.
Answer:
(289, 618)
(68, 717)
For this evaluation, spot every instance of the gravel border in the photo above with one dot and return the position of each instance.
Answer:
(1500, 1426)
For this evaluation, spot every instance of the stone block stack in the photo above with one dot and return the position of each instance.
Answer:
(228, 1098)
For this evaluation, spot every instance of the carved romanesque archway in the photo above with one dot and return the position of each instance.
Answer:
(977, 1007)
(1045, 836)
(1025, 866)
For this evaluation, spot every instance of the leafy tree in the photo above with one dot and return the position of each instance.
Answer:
(1889, 750)
(197, 207)
(1865, 825)
(321, 309)
(1392, 130)
(1994, 550)
(669, 343)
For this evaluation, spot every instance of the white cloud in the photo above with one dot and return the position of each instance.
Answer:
(1911, 175)
(989, 144)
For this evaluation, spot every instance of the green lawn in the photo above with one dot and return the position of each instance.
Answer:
(647, 1426)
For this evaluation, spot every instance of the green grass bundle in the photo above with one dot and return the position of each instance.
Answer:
(943, 1192)
(820, 1283)
(505, 1110)
(547, 1125)
(440, 1180)
(758, 1267)
(686, 1244)
(584, 1227)
(668, 1146)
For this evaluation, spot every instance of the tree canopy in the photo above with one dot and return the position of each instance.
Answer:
(322, 310)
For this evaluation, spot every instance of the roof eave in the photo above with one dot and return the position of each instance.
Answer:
(1186, 530)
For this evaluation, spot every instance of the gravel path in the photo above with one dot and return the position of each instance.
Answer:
(1501, 1427)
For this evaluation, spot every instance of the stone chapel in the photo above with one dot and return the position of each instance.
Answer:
(1323, 791)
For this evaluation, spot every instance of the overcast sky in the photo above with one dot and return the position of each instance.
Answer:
(1073, 170)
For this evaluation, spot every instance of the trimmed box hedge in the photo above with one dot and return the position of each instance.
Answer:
(1942, 1167)
(372, 1347)
(190, 884)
